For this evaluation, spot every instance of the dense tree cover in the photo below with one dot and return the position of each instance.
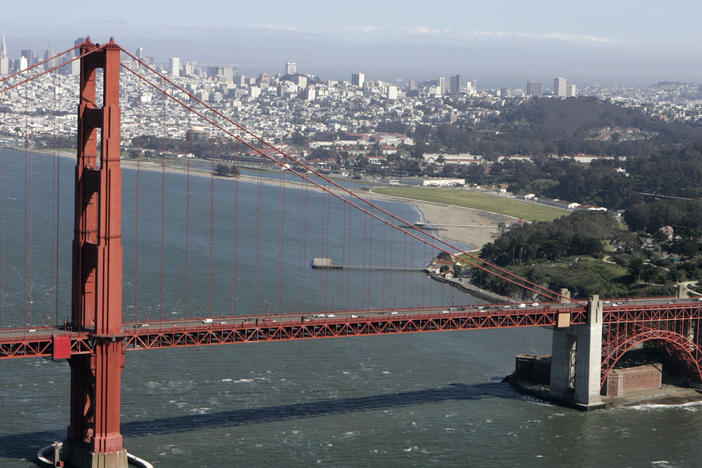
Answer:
(225, 170)
(677, 171)
(684, 216)
(610, 183)
(580, 233)
(662, 158)
(587, 253)
(559, 126)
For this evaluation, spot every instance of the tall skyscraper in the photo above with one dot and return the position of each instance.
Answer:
(559, 87)
(290, 68)
(357, 79)
(140, 53)
(441, 84)
(4, 59)
(456, 84)
(570, 90)
(74, 68)
(48, 53)
(534, 88)
(29, 55)
(174, 67)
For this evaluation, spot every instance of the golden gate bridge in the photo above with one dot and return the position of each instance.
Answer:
(589, 338)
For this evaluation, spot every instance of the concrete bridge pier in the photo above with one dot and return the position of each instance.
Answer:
(576, 359)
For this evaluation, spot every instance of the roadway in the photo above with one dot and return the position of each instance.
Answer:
(198, 331)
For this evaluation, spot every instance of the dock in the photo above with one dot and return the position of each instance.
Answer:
(325, 263)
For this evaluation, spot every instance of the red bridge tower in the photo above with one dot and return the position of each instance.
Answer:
(94, 437)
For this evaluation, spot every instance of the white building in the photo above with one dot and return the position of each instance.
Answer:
(290, 68)
(442, 85)
(458, 158)
(357, 79)
(432, 181)
(4, 59)
(570, 90)
(174, 67)
(559, 87)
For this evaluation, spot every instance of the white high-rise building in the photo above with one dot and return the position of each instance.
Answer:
(441, 84)
(4, 59)
(174, 67)
(570, 90)
(290, 68)
(357, 79)
(559, 87)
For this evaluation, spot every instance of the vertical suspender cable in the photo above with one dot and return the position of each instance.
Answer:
(235, 227)
(52, 199)
(385, 264)
(3, 226)
(163, 211)
(370, 263)
(137, 210)
(211, 262)
(302, 290)
(257, 267)
(345, 240)
(364, 304)
(281, 243)
(391, 297)
(187, 218)
(26, 202)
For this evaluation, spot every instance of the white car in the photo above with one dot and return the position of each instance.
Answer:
(208, 320)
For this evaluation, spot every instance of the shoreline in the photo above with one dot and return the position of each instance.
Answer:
(667, 395)
(469, 227)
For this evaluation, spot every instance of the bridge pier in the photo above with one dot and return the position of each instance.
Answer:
(576, 359)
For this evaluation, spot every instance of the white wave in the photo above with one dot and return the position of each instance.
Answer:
(689, 406)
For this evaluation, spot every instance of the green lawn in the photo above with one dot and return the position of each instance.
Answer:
(478, 200)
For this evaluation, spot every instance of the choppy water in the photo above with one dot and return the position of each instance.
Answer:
(412, 400)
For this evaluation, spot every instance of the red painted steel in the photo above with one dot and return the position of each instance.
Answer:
(41, 343)
(174, 334)
(96, 341)
(62, 347)
(97, 257)
(686, 348)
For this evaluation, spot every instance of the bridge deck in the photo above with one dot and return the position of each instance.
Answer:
(40, 342)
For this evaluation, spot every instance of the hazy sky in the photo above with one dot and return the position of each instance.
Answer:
(497, 42)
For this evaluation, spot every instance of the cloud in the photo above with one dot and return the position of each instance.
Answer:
(283, 28)
(422, 31)
(550, 36)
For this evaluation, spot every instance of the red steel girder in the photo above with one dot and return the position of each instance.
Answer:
(173, 334)
(40, 343)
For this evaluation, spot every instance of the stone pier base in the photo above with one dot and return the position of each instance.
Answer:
(576, 359)
(80, 456)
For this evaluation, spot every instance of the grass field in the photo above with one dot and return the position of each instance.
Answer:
(478, 200)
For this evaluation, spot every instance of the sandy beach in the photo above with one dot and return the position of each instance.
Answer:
(472, 228)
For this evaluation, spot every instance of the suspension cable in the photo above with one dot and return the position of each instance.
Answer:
(523, 281)
(507, 275)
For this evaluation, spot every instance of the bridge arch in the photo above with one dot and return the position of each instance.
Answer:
(689, 351)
